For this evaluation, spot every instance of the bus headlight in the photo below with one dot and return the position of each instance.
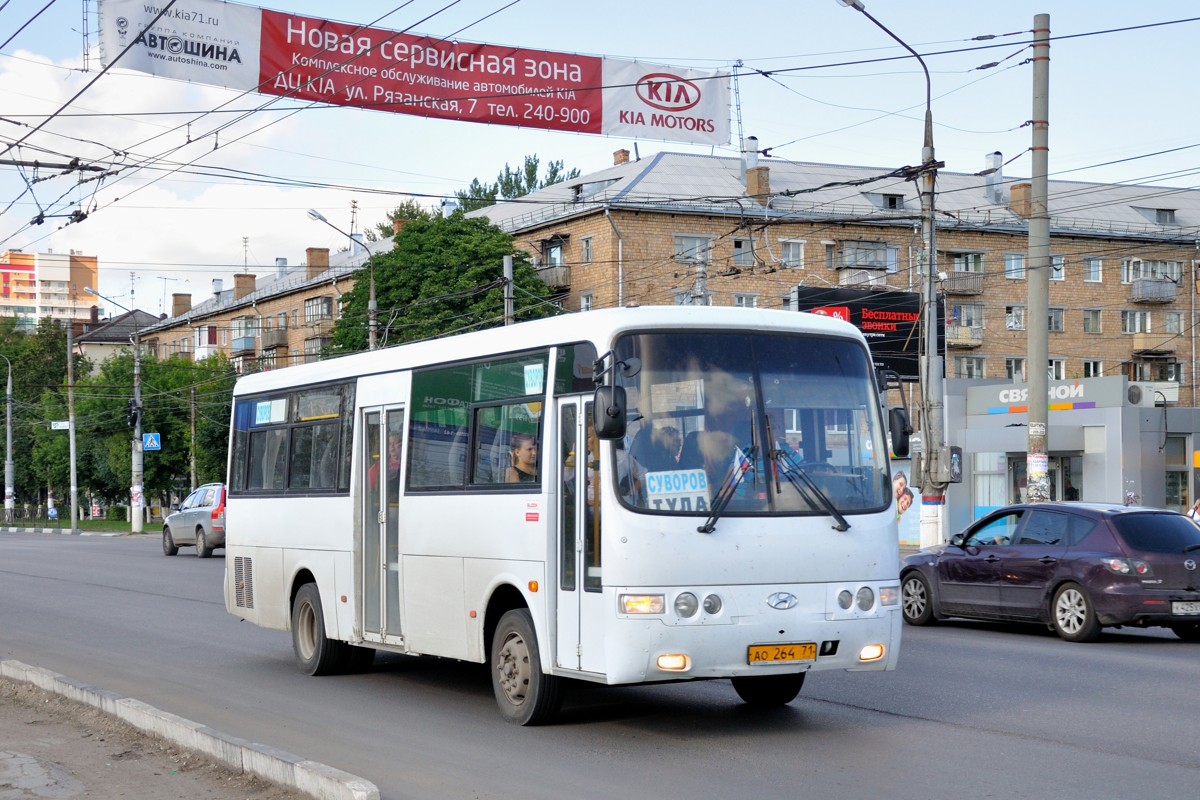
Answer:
(865, 598)
(643, 603)
(712, 604)
(889, 595)
(686, 605)
(845, 599)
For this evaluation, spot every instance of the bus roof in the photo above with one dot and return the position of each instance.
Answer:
(599, 326)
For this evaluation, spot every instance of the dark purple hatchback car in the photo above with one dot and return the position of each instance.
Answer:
(1076, 567)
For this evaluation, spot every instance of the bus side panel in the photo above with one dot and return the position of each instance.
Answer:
(254, 588)
(326, 567)
(484, 577)
(435, 613)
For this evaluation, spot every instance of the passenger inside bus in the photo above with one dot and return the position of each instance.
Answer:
(524, 455)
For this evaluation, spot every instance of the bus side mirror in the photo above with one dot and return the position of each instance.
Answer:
(899, 429)
(608, 412)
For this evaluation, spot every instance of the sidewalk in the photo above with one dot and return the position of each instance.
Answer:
(61, 739)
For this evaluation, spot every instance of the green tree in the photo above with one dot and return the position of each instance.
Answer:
(408, 210)
(512, 183)
(444, 275)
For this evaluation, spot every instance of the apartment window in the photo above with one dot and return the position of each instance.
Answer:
(1091, 270)
(552, 252)
(792, 253)
(1054, 322)
(1014, 368)
(585, 250)
(893, 202)
(1014, 266)
(967, 262)
(1135, 322)
(1014, 318)
(314, 347)
(830, 254)
(743, 253)
(868, 255)
(969, 315)
(1093, 368)
(242, 326)
(745, 300)
(1056, 369)
(281, 318)
(206, 336)
(585, 301)
(1091, 320)
(691, 248)
(1173, 322)
(968, 367)
(1058, 268)
(1164, 216)
(317, 309)
(1134, 268)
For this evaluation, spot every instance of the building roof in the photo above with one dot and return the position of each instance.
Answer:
(285, 280)
(714, 185)
(119, 330)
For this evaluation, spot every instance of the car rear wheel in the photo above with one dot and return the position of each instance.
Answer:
(916, 599)
(768, 691)
(1189, 633)
(1072, 614)
(169, 547)
(202, 548)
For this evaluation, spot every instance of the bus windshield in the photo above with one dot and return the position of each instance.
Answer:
(750, 424)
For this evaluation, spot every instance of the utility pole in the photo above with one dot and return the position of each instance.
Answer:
(509, 311)
(71, 422)
(9, 469)
(1037, 476)
(192, 459)
(700, 288)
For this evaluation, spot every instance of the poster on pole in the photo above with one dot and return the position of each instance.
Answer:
(304, 58)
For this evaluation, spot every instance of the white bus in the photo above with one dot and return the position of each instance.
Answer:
(708, 497)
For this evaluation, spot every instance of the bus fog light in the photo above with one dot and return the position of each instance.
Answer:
(871, 652)
(674, 662)
(712, 604)
(686, 605)
(643, 603)
(865, 598)
(845, 599)
(889, 595)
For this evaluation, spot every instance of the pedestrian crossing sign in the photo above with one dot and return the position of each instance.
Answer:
(151, 441)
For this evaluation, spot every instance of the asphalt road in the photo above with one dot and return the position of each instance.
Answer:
(974, 710)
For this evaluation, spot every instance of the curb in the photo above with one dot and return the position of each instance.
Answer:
(312, 778)
(62, 531)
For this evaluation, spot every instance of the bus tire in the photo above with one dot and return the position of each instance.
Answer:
(358, 659)
(169, 546)
(525, 694)
(316, 654)
(768, 691)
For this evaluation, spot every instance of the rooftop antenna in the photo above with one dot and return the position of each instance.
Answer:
(245, 253)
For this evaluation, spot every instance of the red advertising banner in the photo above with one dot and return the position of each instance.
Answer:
(274, 53)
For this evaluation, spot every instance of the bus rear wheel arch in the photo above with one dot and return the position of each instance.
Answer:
(525, 694)
(316, 653)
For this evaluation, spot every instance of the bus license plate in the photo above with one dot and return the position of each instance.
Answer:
(1185, 607)
(781, 653)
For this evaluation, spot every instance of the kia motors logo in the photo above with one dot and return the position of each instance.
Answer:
(1190, 565)
(782, 601)
(667, 92)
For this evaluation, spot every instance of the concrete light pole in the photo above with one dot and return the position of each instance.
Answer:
(935, 460)
(135, 416)
(372, 305)
(9, 470)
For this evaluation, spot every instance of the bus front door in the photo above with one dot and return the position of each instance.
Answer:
(580, 624)
(380, 547)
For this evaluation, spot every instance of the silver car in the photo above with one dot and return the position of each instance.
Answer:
(200, 521)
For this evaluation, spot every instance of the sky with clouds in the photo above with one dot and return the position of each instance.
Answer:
(816, 82)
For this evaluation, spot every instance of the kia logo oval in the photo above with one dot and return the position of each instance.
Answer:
(782, 601)
(667, 92)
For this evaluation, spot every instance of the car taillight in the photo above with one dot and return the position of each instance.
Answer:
(218, 511)
(1128, 566)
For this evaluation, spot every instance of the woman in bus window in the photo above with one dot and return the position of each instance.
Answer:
(524, 460)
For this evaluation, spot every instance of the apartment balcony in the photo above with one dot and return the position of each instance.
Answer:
(275, 337)
(963, 283)
(242, 345)
(1161, 344)
(1153, 290)
(321, 326)
(964, 336)
(204, 351)
(555, 277)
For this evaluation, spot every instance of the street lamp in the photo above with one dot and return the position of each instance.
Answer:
(935, 458)
(9, 501)
(372, 306)
(135, 416)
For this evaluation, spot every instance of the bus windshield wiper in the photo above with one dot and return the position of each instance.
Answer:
(803, 483)
(743, 462)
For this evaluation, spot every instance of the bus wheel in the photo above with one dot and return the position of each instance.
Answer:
(768, 691)
(315, 653)
(169, 547)
(525, 694)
